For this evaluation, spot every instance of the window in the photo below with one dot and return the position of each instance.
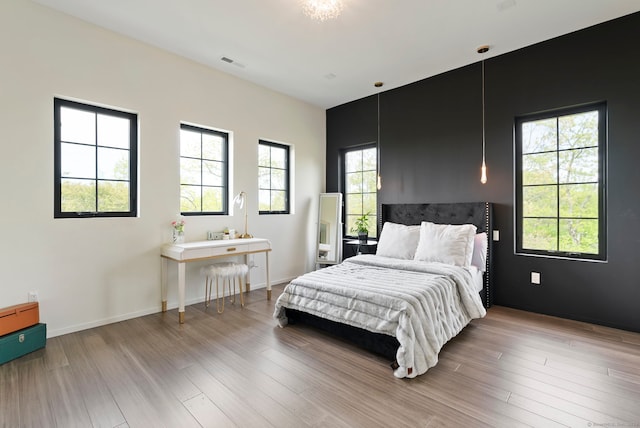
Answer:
(273, 178)
(95, 155)
(560, 183)
(203, 171)
(360, 171)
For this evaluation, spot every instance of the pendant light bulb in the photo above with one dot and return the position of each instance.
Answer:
(483, 174)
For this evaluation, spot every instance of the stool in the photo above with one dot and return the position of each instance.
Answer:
(224, 272)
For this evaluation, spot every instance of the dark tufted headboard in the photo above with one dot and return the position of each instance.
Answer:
(476, 213)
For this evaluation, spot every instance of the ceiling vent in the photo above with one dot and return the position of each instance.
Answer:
(230, 61)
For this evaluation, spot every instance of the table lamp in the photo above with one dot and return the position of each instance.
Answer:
(241, 201)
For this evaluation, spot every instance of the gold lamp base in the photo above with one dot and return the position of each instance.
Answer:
(245, 235)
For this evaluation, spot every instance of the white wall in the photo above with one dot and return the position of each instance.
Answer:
(90, 272)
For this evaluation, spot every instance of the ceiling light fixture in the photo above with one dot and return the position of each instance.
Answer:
(483, 169)
(322, 9)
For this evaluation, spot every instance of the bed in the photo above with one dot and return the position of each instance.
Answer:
(430, 276)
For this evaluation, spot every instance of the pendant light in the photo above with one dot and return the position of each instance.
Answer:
(483, 169)
(379, 177)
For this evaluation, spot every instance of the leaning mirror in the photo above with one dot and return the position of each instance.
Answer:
(329, 248)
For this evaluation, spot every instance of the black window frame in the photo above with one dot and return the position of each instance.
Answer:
(373, 216)
(601, 108)
(225, 178)
(59, 103)
(287, 170)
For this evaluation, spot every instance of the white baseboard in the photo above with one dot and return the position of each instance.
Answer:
(141, 313)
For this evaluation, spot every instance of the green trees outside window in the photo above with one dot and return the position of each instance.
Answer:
(95, 152)
(360, 171)
(273, 178)
(561, 183)
(203, 170)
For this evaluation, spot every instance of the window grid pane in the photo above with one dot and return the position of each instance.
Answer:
(190, 144)
(273, 178)
(360, 180)
(578, 166)
(203, 170)
(278, 179)
(113, 164)
(78, 161)
(353, 161)
(212, 199)
(578, 130)
(540, 168)
(78, 195)
(212, 173)
(77, 126)
(354, 182)
(113, 195)
(578, 236)
(213, 147)
(264, 200)
(113, 132)
(190, 171)
(95, 161)
(539, 233)
(190, 198)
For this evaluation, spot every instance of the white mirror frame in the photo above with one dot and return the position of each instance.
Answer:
(329, 236)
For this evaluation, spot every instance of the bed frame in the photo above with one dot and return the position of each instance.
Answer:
(476, 213)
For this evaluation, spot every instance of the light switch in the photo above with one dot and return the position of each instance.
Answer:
(496, 235)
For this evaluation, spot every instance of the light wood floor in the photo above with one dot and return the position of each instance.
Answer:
(509, 369)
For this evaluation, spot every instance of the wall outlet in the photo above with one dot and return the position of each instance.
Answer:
(535, 278)
(496, 235)
(33, 296)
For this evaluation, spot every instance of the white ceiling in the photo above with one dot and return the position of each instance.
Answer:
(332, 62)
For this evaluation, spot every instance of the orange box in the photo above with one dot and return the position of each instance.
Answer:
(17, 317)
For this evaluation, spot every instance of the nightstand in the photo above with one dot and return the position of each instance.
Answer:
(368, 247)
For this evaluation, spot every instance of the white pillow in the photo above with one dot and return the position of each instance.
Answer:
(398, 241)
(479, 257)
(446, 243)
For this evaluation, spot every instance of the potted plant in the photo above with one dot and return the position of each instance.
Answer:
(361, 227)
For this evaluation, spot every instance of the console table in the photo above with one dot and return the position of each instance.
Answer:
(203, 250)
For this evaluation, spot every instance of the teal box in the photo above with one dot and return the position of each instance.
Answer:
(21, 342)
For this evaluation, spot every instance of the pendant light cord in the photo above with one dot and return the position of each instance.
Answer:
(483, 116)
(378, 178)
(483, 169)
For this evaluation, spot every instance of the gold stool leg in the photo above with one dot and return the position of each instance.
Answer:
(207, 292)
(218, 307)
(210, 290)
(241, 293)
(232, 296)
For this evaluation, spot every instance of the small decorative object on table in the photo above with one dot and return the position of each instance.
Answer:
(178, 231)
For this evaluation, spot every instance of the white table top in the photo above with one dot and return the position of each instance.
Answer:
(216, 248)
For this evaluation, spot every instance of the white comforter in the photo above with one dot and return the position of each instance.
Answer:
(422, 304)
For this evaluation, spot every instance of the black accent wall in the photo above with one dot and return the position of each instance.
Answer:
(431, 151)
